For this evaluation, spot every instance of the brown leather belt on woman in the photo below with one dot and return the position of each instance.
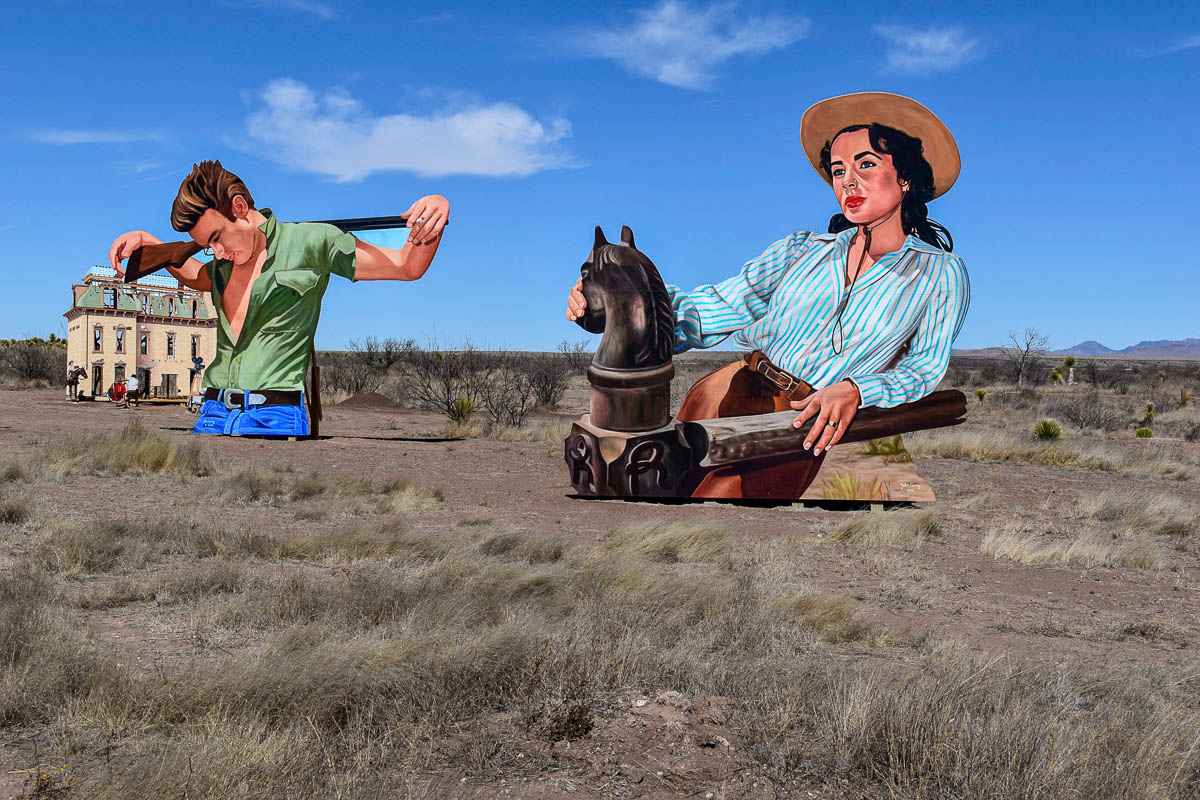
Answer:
(781, 378)
(236, 398)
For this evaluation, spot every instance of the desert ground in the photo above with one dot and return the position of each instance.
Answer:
(398, 610)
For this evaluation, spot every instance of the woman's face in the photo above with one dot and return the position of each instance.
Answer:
(864, 179)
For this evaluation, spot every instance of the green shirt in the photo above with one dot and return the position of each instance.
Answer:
(273, 349)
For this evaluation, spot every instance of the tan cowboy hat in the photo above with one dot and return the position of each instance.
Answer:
(824, 119)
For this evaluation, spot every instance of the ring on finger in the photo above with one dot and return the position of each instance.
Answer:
(833, 423)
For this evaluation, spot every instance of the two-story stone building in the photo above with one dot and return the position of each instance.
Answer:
(153, 328)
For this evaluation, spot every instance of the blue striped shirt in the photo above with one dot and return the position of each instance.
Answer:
(785, 303)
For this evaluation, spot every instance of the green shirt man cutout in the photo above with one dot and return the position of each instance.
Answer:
(267, 280)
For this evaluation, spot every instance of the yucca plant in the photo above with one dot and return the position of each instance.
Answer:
(981, 393)
(464, 409)
(1149, 418)
(1144, 433)
(1047, 430)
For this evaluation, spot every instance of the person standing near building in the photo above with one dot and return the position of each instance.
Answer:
(267, 279)
(132, 385)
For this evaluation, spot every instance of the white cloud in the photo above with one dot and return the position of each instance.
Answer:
(333, 134)
(681, 45)
(928, 50)
(76, 136)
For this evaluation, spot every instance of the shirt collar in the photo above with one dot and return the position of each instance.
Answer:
(269, 225)
(911, 242)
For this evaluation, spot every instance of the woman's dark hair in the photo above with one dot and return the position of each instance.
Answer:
(911, 166)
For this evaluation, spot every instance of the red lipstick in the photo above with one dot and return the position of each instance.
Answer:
(855, 201)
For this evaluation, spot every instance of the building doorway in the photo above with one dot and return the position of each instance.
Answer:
(97, 380)
(143, 374)
(168, 385)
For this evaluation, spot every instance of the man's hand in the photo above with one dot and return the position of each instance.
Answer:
(576, 302)
(834, 407)
(125, 244)
(426, 218)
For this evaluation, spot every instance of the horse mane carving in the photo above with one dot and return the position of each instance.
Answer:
(627, 301)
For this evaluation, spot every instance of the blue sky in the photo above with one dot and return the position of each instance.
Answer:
(1076, 210)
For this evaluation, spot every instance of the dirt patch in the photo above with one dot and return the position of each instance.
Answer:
(367, 400)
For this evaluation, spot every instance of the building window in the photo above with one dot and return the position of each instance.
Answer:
(145, 304)
(143, 344)
(120, 340)
(119, 372)
(97, 339)
(110, 298)
(195, 346)
(170, 345)
(194, 307)
(171, 306)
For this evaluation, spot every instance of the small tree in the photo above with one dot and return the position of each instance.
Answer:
(445, 381)
(1024, 351)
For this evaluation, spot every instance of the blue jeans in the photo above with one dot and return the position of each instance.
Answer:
(248, 420)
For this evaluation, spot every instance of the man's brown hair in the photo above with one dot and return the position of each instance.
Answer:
(209, 186)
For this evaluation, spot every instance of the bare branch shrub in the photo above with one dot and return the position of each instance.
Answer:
(32, 360)
(508, 392)
(550, 374)
(366, 366)
(446, 381)
(1089, 412)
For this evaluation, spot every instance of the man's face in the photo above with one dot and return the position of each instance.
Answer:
(864, 179)
(237, 240)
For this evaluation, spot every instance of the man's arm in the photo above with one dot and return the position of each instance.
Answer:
(427, 217)
(192, 274)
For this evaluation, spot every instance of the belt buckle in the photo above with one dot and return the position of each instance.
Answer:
(228, 394)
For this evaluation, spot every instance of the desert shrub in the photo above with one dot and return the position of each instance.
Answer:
(1144, 433)
(462, 409)
(1047, 430)
(366, 365)
(444, 381)
(1089, 411)
(981, 394)
(848, 485)
(890, 447)
(507, 392)
(550, 374)
(33, 360)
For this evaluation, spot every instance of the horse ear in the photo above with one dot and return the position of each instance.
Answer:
(627, 236)
(600, 240)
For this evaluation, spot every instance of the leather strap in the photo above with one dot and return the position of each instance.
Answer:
(780, 378)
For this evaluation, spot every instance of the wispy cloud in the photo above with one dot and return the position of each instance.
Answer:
(334, 134)
(79, 136)
(923, 51)
(683, 45)
(317, 9)
(1186, 43)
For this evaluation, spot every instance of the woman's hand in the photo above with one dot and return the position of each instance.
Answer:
(576, 302)
(426, 218)
(125, 244)
(834, 407)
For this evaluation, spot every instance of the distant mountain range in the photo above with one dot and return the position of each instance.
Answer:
(1162, 348)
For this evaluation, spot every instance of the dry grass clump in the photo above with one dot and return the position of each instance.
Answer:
(1156, 513)
(327, 494)
(992, 445)
(134, 450)
(173, 588)
(908, 529)
(1090, 549)
(13, 510)
(1150, 631)
(12, 471)
(555, 431)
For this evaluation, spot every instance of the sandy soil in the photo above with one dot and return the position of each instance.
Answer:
(658, 746)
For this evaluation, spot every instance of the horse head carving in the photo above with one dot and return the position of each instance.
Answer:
(627, 301)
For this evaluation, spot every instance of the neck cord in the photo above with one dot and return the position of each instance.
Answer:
(837, 334)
